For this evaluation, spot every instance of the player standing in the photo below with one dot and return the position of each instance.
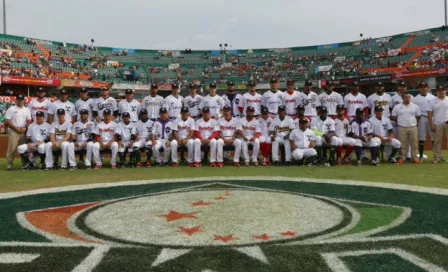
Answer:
(273, 98)
(153, 102)
(438, 120)
(291, 98)
(183, 131)
(130, 105)
(234, 99)
(105, 140)
(354, 101)
(193, 101)
(174, 102)
(380, 99)
(252, 98)
(40, 104)
(162, 137)
(105, 102)
(228, 136)
(206, 131)
(84, 103)
(331, 99)
(62, 103)
(214, 102)
(422, 100)
(309, 99)
(279, 132)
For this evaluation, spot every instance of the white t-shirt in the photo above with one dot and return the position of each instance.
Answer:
(310, 101)
(126, 131)
(281, 127)
(384, 100)
(38, 132)
(381, 127)
(18, 116)
(153, 105)
(360, 129)
(291, 102)
(174, 105)
(272, 100)
(60, 130)
(206, 128)
(68, 106)
(331, 101)
(341, 127)
(83, 130)
(101, 104)
(406, 114)
(302, 139)
(323, 126)
(106, 131)
(352, 102)
(252, 100)
(398, 99)
(162, 130)
(134, 107)
(144, 129)
(264, 125)
(249, 128)
(88, 105)
(215, 103)
(193, 104)
(228, 127)
(439, 110)
(422, 102)
(36, 106)
(184, 128)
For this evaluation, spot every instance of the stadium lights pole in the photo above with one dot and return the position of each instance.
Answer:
(4, 16)
(445, 15)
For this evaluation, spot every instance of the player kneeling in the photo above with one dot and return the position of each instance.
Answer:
(362, 131)
(162, 137)
(206, 131)
(60, 132)
(324, 129)
(36, 137)
(144, 128)
(82, 139)
(183, 130)
(302, 142)
(105, 140)
(126, 134)
(265, 140)
(250, 130)
(228, 136)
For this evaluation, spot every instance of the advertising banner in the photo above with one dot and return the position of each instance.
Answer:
(422, 73)
(30, 81)
(84, 83)
(323, 68)
(173, 66)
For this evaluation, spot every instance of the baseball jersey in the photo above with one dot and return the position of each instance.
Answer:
(38, 132)
(360, 129)
(125, 131)
(302, 139)
(134, 107)
(341, 127)
(67, 106)
(439, 109)
(88, 105)
(384, 100)
(422, 102)
(264, 126)
(352, 102)
(206, 128)
(249, 128)
(310, 102)
(101, 104)
(330, 101)
(234, 104)
(153, 105)
(144, 129)
(253, 100)
(215, 103)
(106, 131)
(82, 131)
(163, 129)
(291, 102)
(60, 130)
(281, 127)
(381, 127)
(183, 128)
(193, 104)
(296, 119)
(272, 100)
(323, 126)
(174, 105)
(35, 106)
(228, 127)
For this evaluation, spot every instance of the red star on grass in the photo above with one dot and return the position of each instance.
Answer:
(225, 239)
(201, 203)
(288, 233)
(173, 215)
(220, 198)
(228, 193)
(190, 231)
(264, 236)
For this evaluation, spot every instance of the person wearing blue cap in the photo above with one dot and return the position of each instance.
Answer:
(153, 102)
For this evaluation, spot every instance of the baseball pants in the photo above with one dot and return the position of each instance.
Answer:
(96, 148)
(197, 150)
(374, 142)
(320, 140)
(275, 145)
(166, 151)
(300, 153)
(49, 154)
(423, 129)
(190, 148)
(22, 149)
(255, 149)
(220, 146)
(123, 148)
(72, 149)
(346, 141)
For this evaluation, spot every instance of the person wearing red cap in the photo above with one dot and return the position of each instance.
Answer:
(438, 120)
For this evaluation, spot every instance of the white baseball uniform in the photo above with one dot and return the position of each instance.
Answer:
(38, 134)
(44, 106)
(331, 101)
(193, 105)
(105, 132)
(101, 104)
(384, 100)
(144, 131)
(60, 131)
(162, 131)
(126, 131)
(302, 140)
(174, 105)
(264, 130)
(68, 106)
(250, 128)
(291, 101)
(362, 129)
(341, 130)
(423, 124)
(228, 128)
(235, 104)
(253, 100)
(310, 101)
(353, 102)
(281, 130)
(153, 104)
(133, 107)
(82, 132)
(382, 128)
(272, 100)
(87, 104)
(215, 103)
(324, 126)
(183, 128)
(205, 129)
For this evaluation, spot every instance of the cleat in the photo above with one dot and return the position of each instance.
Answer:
(48, 169)
(408, 159)
(148, 164)
(212, 164)
(236, 164)
(97, 167)
(197, 164)
(80, 163)
(246, 163)
(326, 164)
(220, 164)
(332, 163)
(374, 163)
(392, 161)
(400, 161)
(268, 162)
(139, 164)
(159, 164)
(276, 163)
(175, 164)
(165, 164)
(359, 163)
(347, 161)
(120, 166)
(73, 168)
(113, 166)
(88, 167)
(416, 162)
(264, 162)
(63, 168)
(41, 166)
(191, 164)
(27, 166)
(255, 163)
(435, 161)
(339, 161)
(288, 163)
(8, 168)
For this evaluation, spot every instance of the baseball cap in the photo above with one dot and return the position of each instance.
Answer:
(83, 90)
(252, 83)
(40, 114)
(144, 111)
(323, 108)
(20, 97)
(303, 121)
(163, 110)
(106, 111)
(205, 109)
(83, 111)
(212, 85)
(423, 84)
(154, 85)
(192, 85)
(250, 108)
(125, 114)
(129, 91)
(441, 87)
(230, 83)
(290, 81)
(379, 108)
(104, 88)
(184, 109)
(330, 83)
(359, 110)
(60, 111)
(340, 107)
(41, 89)
(355, 83)
(402, 83)
(264, 110)
(226, 108)
(379, 84)
(63, 92)
(281, 108)
(273, 80)
(308, 82)
(174, 85)
(300, 107)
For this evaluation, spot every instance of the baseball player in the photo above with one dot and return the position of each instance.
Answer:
(161, 137)
(300, 113)
(40, 104)
(60, 132)
(354, 101)
(309, 99)
(362, 131)
(233, 99)
(438, 120)
(252, 98)
(330, 99)
(36, 137)
(193, 101)
(206, 131)
(153, 103)
(383, 130)
(62, 103)
(324, 128)
(291, 98)
(422, 100)
(127, 138)
(341, 124)
(228, 136)
(380, 99)
(105, 140)
(265, 139)
(82, 139)
(105, 102)
(183, 131)
(302, 143)
(279, 130)
(249, 130)
(130, 105)
(144, 128)
(174, 102)
(84, 103)
(214, 102)
(273, 98)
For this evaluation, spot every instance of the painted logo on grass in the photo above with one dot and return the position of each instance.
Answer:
(225, 225)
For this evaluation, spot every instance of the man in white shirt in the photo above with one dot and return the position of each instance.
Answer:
(383, 130)
(214, 102)
(82, 138)
(193, 101)
(252, 98)
(153, 102)
(17, 118)
(183, 131)
(130, 105)
(126, 134)
(40, 104)
(302, 143)
(273, 98)
(233, 99)
(279, 132)
(105, 102)
(354, 101)
(309, 99)
(291, 98)
(398, 99)
(422, 100)
(162, 137)
(206, 131)
(60, 133)
(265, 140)
(438, 120)
(380, 99)
(249, 131)
(67, 106)
(105, 139)
(174, 102)
(144, 128)
(407, 115)
(324, 128)
(228, 136)
(330, 99)
(341, 124)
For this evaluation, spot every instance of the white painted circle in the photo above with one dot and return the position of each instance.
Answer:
(243, 214)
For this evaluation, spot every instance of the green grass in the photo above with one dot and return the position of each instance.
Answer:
(425, 174)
